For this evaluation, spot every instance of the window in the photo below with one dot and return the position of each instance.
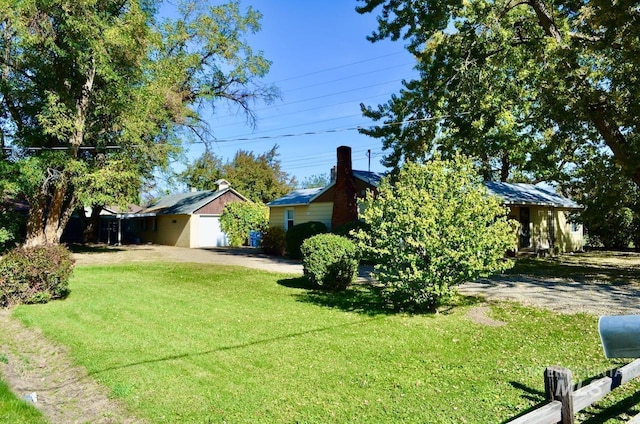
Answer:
(289, 217)
(575, 227)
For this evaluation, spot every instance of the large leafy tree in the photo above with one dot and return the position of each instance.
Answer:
(522, 86)
(96, 94)
(612, 203)
(315, 181)
(203, 172)
(257, 176)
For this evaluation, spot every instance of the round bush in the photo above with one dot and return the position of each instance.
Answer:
(330, 261)
(274, 241)
(35, 275)
(299, 233)
(349, 229)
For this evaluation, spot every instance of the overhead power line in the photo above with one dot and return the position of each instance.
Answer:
(265, 137)
(338, 67)
(60, 148)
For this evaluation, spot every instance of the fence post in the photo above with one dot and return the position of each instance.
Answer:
(558, 386)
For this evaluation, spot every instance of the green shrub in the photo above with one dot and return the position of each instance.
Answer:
(349, 229)
(11, 223)
(436, 227)
(35, 275)
(330, 261)
(297, 234)
(239, 218)
(274, 241)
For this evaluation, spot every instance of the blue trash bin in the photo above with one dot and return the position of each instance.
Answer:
(254, 238)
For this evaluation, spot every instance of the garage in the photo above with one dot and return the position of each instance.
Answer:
(189, 219)
(210, 233)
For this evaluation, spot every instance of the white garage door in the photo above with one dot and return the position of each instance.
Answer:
(210, 234)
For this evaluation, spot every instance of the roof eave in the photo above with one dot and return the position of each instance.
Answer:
(287, 205)
(552, 205)
(131, 215)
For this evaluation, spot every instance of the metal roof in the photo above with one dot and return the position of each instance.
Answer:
(184, 203)
(529, 194)
(308, 195)
(372, 178)
(298, 197)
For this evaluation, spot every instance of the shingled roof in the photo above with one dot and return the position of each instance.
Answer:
(185, 203)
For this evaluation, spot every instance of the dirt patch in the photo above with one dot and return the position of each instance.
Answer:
(478, 314)
(65, 393)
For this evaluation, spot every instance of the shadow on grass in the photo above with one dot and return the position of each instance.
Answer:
(238, 346)
(296, 283)
(531, 394)
(597, 414)
(364, 298)
(361, 298)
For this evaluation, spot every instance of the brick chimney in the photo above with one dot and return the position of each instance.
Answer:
(345, 206)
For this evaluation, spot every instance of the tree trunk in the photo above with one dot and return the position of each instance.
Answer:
(49, 214)
(504, 168)
(35, 221)
(91, 228)
(616, 141)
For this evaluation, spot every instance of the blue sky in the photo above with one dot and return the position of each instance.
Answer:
(324, 68)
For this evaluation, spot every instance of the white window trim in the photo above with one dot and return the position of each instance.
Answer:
(288, 218)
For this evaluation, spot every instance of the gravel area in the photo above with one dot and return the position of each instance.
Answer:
(559, 295)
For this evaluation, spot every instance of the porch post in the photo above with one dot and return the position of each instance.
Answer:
(552, 230)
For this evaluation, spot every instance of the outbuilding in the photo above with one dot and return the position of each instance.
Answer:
(187, 219)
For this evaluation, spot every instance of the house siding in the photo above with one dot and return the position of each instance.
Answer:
(168, 232)
(194, 227)
(276, 216)
(566, 240)
(540, 228)
(216, 206)
(316, 211)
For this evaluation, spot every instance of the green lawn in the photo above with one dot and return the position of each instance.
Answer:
(196, 343)
(14, 410)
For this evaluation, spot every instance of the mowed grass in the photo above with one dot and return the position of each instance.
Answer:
(196, 343)
(14, 410)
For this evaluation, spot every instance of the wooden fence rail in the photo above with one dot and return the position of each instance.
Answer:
(565, 400)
